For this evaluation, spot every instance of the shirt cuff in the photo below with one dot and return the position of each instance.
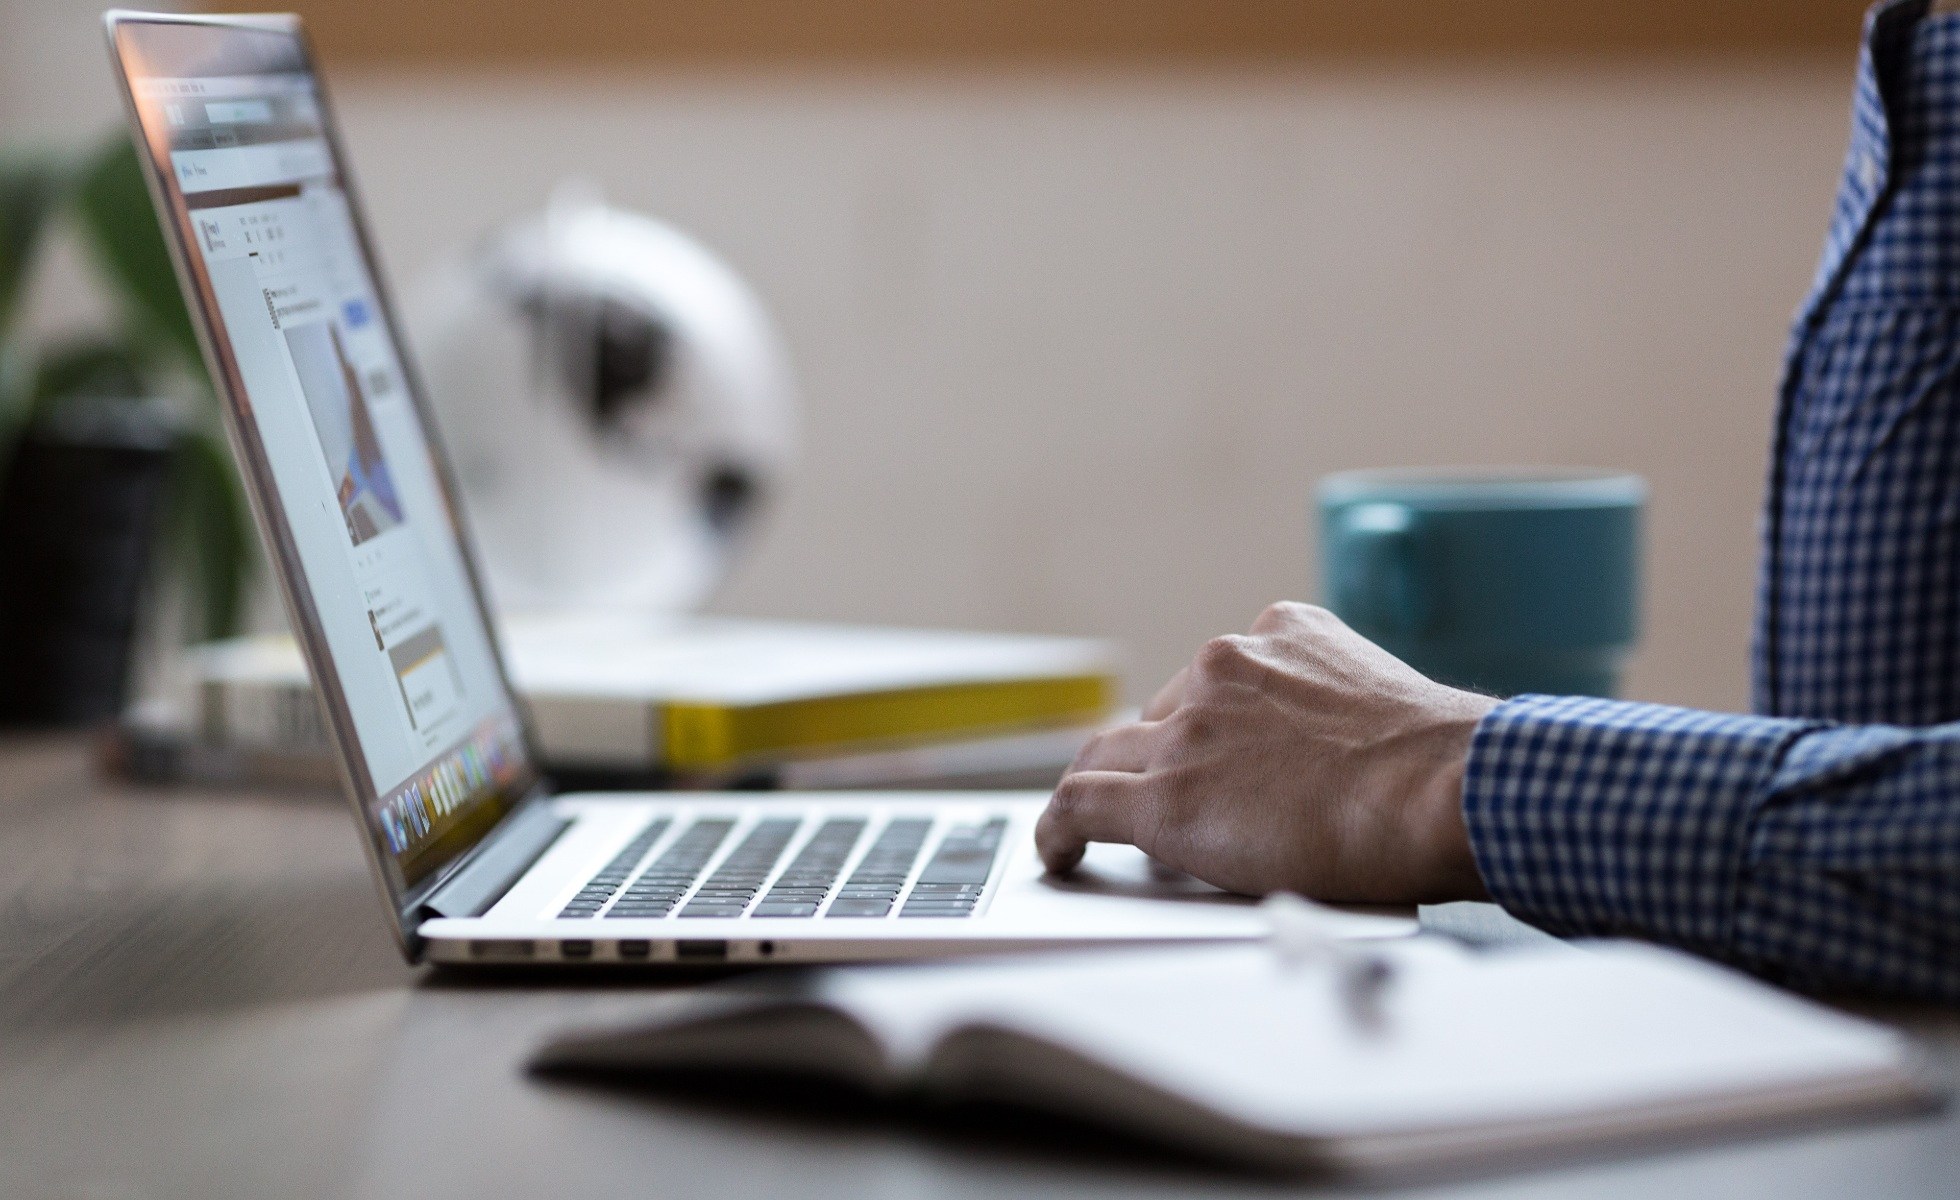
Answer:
(1601, 817)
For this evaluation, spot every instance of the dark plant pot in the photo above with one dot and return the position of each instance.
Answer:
(78, 522)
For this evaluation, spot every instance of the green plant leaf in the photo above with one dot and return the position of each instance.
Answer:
(211, 533)
(31, 184)
(113, 205)
(90, 366)
(208, 528)
(16, 390)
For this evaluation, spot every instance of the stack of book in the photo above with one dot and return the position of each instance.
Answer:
(633, 700)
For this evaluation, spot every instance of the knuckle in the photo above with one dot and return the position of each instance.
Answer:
(1225, 655)
(1194, 728)
(1328, 623)
(1100, 737)
(1298, 624)
(1094, 746)
(1069, 799)
(1309, 616)
(1285, 614)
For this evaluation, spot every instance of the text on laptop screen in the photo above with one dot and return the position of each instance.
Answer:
(350, 461)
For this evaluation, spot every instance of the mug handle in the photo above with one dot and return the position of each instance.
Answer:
(1388, 579)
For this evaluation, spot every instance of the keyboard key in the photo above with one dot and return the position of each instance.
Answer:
(739, 877)
(606, 881)
(874, 886)
(966, 854)
(660, 886)
(766, 909)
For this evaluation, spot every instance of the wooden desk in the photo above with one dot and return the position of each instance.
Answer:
(198, 999)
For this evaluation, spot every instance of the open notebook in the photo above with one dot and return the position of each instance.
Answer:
(1232, 1052)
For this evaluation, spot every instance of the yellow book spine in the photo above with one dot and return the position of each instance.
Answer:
(701, 736)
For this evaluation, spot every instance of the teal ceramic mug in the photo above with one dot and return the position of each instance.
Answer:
(1502, 580)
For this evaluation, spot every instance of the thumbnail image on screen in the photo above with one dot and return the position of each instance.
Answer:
(340, 412)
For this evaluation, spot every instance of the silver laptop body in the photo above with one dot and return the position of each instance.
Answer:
(477, 860)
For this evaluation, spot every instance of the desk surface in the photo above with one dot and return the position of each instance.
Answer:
(198, 998)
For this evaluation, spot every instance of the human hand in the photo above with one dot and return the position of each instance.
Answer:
(1301, 757)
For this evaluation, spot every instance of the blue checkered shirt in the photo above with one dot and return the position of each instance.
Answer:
(1819, 842)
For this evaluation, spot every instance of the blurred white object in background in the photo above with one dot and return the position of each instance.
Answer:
(617, 404)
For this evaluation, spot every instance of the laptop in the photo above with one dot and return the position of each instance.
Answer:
(477, 859)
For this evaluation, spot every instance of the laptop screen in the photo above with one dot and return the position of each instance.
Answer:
(333, 441)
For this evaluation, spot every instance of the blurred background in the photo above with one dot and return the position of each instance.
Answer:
(1084, 295)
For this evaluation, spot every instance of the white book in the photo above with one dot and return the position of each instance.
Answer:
(1229, 1051)
(704, 694)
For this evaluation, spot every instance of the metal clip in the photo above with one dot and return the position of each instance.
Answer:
(1301, 936)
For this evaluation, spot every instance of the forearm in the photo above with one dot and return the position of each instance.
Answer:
(1825, 856)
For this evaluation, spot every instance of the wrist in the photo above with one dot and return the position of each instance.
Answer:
(1447, 867)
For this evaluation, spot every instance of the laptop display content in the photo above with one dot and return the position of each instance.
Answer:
(325, 412)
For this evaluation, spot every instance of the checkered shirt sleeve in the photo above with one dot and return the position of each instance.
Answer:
(1819, 843)
(1824, 856)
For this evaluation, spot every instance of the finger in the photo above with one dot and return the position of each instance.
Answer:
(1168, 697)
(1119, 748)
(1089, 806)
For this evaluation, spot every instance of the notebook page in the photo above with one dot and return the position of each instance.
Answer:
(1463, 1041)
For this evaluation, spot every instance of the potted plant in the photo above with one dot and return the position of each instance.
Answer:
(114, 475)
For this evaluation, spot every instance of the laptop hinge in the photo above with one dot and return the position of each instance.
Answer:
(498, 866)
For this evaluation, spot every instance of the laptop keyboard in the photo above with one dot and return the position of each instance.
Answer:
(880, 875)
(800, 890)
(601, 887)
(661, 885)
(950, 884)
(734, 884)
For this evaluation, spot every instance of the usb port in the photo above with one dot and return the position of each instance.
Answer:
(700, 949)
(577, 948)
(635, 948)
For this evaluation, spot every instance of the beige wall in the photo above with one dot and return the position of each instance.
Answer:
(1076, 348)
